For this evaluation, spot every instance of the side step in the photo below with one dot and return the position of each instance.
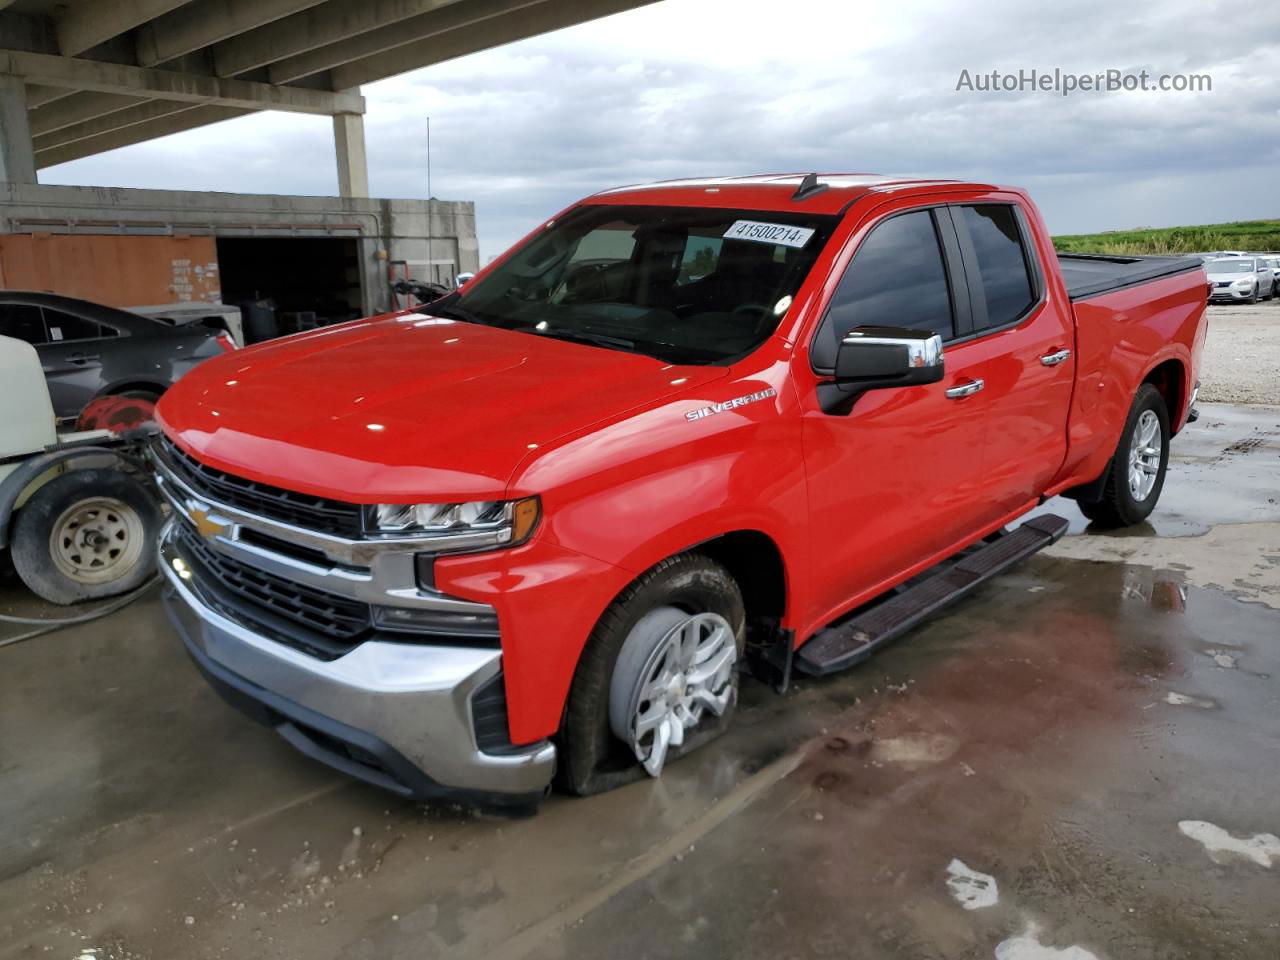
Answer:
(851, 641)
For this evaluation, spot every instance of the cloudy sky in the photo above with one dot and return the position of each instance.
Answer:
(715, 87)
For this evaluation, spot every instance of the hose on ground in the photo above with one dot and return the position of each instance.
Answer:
(48, 625)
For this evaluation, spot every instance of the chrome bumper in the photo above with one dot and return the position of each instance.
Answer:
(385, 702)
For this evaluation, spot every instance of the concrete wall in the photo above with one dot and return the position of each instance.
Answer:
(388, 230)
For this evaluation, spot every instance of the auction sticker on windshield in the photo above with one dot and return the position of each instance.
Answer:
(778, 233)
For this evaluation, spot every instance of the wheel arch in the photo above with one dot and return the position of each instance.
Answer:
(1169, 376)
(150, 386)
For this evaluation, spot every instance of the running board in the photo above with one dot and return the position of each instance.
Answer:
(850, 642)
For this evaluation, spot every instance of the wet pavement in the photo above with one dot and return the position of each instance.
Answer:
(1081, 760)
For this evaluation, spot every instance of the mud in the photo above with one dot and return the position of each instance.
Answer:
(1079, 761)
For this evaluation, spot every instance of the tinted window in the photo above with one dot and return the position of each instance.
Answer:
(63, 326)
(22, 322)
(997, 243)
(897, 279)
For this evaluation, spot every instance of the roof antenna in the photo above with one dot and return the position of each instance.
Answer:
(808, 187)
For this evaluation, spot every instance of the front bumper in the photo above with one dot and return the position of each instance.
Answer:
(393, 713)
(1229, 295)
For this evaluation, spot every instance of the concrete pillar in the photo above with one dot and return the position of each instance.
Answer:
(353, 166)
(17, 154)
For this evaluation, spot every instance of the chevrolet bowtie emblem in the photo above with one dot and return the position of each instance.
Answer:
(207, 526)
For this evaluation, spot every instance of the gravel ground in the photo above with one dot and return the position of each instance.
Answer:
(1242, 354)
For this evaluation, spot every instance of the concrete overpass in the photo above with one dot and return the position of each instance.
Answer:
(79, 77)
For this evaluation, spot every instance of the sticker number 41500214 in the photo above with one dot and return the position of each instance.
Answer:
(777, 233)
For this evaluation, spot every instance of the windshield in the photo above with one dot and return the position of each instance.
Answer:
(1234, 265)
(686, 285)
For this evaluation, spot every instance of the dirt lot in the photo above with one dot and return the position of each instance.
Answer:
(1242, 354)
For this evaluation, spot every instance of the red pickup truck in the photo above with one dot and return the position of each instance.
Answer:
(535, 529)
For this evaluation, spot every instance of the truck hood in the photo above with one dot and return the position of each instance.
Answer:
(405, 408)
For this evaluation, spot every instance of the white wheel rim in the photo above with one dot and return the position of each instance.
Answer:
(96, 541)
(688, 674)
(1145, 452)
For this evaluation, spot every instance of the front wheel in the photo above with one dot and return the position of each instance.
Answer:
(84, 535)
(658, 677)
(1136, 474)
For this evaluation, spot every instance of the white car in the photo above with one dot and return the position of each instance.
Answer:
(1240, 279)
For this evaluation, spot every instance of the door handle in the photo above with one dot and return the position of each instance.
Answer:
(1053, 359)
(83, 357)
(966, 389)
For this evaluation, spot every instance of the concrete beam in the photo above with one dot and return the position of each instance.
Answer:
(172, 85)
(86, 25)
(144, 112)
(317, 27)
(38, 96)
(17, 155)
(374, 42)
(353, 164)
(206, 22)
(198, 116)
(520, 21)
(75, 109)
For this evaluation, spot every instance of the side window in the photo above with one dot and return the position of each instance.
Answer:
(22, 322)
(64, 326)
(1002, 262)
(897, 278)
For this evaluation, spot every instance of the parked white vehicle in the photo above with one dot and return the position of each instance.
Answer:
(1240, 279)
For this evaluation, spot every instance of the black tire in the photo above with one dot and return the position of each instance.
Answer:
(1253, 297)
(1118, 506)
(123, 566)
(591, 758)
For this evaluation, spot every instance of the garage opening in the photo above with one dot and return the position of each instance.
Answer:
(288, 284)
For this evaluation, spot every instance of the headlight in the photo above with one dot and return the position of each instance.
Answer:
(1244, 283)
(482, 523)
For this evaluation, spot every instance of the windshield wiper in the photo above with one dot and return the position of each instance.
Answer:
(583, 336)
(454, 312)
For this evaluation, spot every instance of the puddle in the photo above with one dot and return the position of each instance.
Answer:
(1029, 947)
(973, 890)
(1261, 848)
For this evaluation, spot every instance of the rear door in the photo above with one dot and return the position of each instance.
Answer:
(72, 358)
(1028, 338)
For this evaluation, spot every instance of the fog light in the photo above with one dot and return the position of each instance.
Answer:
(180, 568)
(445, 623)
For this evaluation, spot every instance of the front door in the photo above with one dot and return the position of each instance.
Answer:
(897, 478)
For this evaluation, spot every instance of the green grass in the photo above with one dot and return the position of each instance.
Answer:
(1242, 235)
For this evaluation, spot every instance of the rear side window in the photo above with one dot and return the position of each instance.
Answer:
(22, 322)
(1003, 265)
(897, 278)
(64, 326)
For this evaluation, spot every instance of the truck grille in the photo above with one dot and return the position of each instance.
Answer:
(287, 506)
(331, 625)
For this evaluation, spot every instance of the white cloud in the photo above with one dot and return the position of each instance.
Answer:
(687, 87)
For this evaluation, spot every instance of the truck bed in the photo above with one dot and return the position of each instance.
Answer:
(1090, 274)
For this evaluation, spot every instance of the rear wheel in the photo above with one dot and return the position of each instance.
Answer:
(84, 535)
(1136, 475)
(658, 677)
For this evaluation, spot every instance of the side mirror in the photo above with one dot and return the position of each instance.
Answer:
(873, 358)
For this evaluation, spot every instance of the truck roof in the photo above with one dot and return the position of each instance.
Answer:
(826, 193)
